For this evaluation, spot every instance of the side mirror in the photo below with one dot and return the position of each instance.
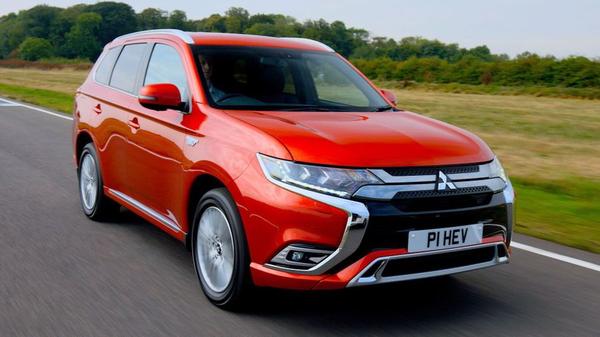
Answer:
(160, 96)
(390, 96)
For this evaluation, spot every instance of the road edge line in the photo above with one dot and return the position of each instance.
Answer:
(39, 109)
(556, 256)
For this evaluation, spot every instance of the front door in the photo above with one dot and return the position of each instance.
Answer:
(155, 150)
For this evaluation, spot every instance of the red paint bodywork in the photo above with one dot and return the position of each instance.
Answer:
(160, 95)
(143, 154)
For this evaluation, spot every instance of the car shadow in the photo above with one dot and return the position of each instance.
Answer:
(439, 301)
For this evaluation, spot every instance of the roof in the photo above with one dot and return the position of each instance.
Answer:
(227, 39)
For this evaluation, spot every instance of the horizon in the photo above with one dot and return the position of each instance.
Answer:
(556, 29)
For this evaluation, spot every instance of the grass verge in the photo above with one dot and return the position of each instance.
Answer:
(566, 213)
(59, 101)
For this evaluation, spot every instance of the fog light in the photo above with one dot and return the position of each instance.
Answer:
(300, 256)
(297, 256)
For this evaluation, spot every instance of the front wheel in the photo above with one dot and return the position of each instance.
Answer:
(220, 250)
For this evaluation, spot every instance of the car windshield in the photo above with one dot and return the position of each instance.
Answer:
(282, 79)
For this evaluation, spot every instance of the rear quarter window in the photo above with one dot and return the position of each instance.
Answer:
(104, 69)
(125, 72)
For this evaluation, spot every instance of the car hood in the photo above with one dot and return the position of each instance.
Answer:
(368, 139)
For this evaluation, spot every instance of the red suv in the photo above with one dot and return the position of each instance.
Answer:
(280, 165)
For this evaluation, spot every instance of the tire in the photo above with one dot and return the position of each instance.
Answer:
(220, 252)
(94, 203)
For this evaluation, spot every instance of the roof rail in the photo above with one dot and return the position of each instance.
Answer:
(313, 42)
(175, 32)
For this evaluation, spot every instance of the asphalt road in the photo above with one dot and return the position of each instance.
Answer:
(64, 275)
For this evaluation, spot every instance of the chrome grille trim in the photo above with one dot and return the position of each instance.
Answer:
(387, 192)
(467, 179)
(378, 278)
(482, 173)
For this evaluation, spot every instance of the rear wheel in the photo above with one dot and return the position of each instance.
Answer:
(220, 250)
(95, 204)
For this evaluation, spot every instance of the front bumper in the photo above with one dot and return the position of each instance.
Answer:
(372, 248)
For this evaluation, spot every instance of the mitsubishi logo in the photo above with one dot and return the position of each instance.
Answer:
(444, 183)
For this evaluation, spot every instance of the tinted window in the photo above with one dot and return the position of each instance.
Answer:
(123, 76)
(276, 79)
(105, 66)
(165, 66)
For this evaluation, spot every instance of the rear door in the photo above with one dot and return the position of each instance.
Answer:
(155, 153)
(121, 97)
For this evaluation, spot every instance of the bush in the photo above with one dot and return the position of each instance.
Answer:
(525, 70)
(35, 48)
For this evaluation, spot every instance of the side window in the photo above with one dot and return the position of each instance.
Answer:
(124, 74)
(165, 66)
(106, 64)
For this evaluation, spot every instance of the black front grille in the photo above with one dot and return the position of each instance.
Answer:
(433, 200)
(415, 171)
(434, 262)
(435, 193)
(387, 229)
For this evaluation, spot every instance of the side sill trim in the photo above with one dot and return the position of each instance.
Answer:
(149, 211)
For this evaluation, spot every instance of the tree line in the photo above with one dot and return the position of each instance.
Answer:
(81, 31)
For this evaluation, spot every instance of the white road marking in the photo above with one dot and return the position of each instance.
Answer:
(37, 109)
(4, 102)
(514, 244)
(556, 256)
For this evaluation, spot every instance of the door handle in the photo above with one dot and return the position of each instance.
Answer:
(98, 108)
(134, 123)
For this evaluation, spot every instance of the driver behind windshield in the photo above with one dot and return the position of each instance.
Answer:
(269, 78)
(212, 77)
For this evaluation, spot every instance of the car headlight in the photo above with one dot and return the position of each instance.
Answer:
(328, 180)
(496, 170)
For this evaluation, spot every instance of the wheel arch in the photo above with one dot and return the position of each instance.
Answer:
(201, 184)
(83, 138)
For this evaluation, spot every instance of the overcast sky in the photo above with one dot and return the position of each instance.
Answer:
(560, 28)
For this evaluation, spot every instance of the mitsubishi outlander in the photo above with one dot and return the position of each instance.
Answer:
(280, 165)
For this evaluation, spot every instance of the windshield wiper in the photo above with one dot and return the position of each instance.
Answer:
(312, 108)
(384, 108)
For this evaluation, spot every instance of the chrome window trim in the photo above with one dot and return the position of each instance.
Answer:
(356, 225)
(387, 192)
(146, 209)
(377, 277)
(173, 32)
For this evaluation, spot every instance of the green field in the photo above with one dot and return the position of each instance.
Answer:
(549, 146)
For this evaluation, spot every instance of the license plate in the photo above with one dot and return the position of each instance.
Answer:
(441, 238)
